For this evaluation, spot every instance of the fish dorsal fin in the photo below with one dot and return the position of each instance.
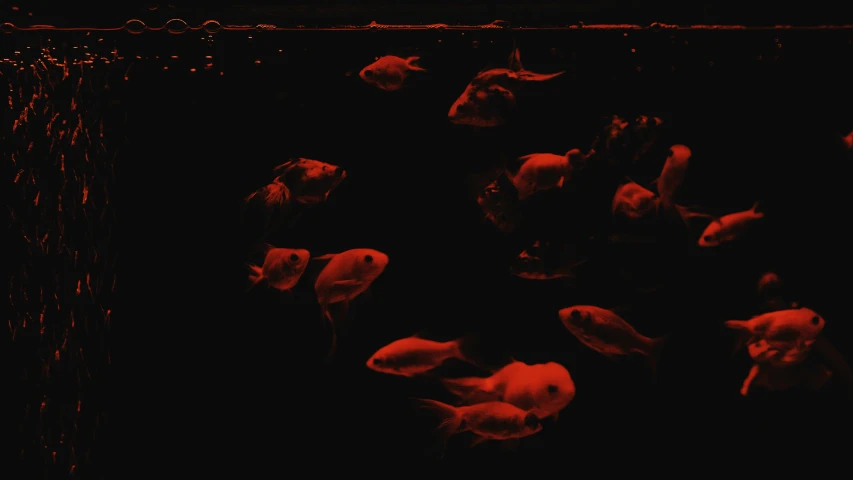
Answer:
(266, 247)
(515, 60)
(284, 167)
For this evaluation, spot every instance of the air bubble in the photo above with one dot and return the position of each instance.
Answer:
(134, 26)
(211, 26)
(176, 26)
(8, 27)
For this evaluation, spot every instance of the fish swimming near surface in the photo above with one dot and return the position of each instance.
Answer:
(541, 262)
(282, 267)
(389, 73)
(499, 202)
(729, 227)
(781, 329)
(491, 94)
(544, 171)
(488, 421)
(607, 333)
(542, 389)
(633, 201)
(309, 181)
(346, 275)
(414, 356)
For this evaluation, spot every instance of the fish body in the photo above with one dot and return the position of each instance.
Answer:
(729, 227)
(491, 94)
(346, 275)
(488, 420)
(607, 333)
(413, 356)
(782, 368)
(633, 201)
(309, 181)
(389, 73)
(541, 171)
(543, 389)
(282, 267)
(782, 329)
(673, 174)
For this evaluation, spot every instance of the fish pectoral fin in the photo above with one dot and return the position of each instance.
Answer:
(346, 283)
(478, 439)
(560, 182)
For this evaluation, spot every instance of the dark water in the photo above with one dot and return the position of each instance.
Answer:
(763, 113)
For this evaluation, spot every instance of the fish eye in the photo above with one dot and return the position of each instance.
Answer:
(531, 420)
(294, 257)
(368, 73)
(552, 389)
(576, 315)
(670, 153)
(815, 320)
(707, 238)
(368, 258)
(377, 361)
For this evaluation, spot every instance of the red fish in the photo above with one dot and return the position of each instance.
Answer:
(491, 94)
(848, 140)
(347, 275)
(488, 421)
(781, 368)
(783, 328)
(539, 262)
(633, 201)
(543, 389)
(729, 227)
(607, 333)
(389, 73)
(413, 356)
(673, 174)
(544, 171)
(309, 181)
(282, 267)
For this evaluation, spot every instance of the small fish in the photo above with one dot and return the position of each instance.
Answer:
(538, 262)
(390, 72)
(673, 174)
(489, 421)
(542, 389)
(783, 328)
(607, 333)
(413, 356)
(633, 201)
(543, 171)
(491, 94)
(499, 203)
(347, 275)
(848, 140)
(282, 267)
(309, 181)
(729, 227)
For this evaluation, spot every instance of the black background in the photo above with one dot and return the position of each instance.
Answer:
(219, 374)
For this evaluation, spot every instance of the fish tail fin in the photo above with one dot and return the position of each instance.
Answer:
(412, 62)
(464, 388)
(655, 350)
(470, 349)
(451, 419)
(255, 276)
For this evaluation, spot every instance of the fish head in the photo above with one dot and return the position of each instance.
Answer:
(294, 259)
(554, 387)
(484, 103)
(383, 362)
(532, 424)
(769, 284)
(316, 179)
(809, 323)
(382, 74)
(711, 236)
(577, 319)
(369, 263)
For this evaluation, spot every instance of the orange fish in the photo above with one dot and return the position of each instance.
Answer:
(633, 201)
(389, 72)
(347, 275)
(488, 421)
(413, 356)
(491, 94)
(282, 267)
(543, 389)
(607, 333)
(544, 171)
(729, 227)
(783, 328)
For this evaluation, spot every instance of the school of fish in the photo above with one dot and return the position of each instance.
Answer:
(510, 401)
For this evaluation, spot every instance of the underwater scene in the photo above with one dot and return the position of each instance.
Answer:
(436, 245)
